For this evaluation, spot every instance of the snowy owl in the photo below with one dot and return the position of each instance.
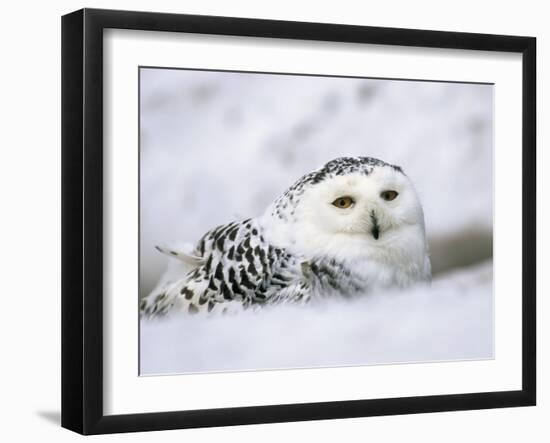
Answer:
(345, 229)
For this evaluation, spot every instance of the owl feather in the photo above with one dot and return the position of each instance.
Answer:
(292, 254)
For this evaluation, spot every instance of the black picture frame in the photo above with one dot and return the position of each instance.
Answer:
(82, 219)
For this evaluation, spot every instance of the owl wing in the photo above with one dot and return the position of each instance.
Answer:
(230, 268)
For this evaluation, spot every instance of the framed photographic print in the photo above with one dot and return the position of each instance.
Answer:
(269, 221)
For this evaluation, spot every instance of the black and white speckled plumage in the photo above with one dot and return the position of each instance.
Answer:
(237, 265)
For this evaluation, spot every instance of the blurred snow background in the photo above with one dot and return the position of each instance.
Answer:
(218, 146)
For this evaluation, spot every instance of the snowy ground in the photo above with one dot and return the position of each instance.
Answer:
(217, 147)
(451, 320)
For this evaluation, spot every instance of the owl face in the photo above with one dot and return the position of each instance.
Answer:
(358, 215)
(371, 206)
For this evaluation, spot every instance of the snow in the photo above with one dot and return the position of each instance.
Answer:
(216, 147)
(451, 320)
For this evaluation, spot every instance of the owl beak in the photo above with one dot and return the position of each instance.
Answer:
(375, 228)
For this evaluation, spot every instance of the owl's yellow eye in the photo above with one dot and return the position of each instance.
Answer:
(343, 202)
(389, 195)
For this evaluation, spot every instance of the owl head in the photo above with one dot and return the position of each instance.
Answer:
(352, 208)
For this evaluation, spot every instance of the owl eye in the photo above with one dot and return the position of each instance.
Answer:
(343, 202)
(389, 195)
